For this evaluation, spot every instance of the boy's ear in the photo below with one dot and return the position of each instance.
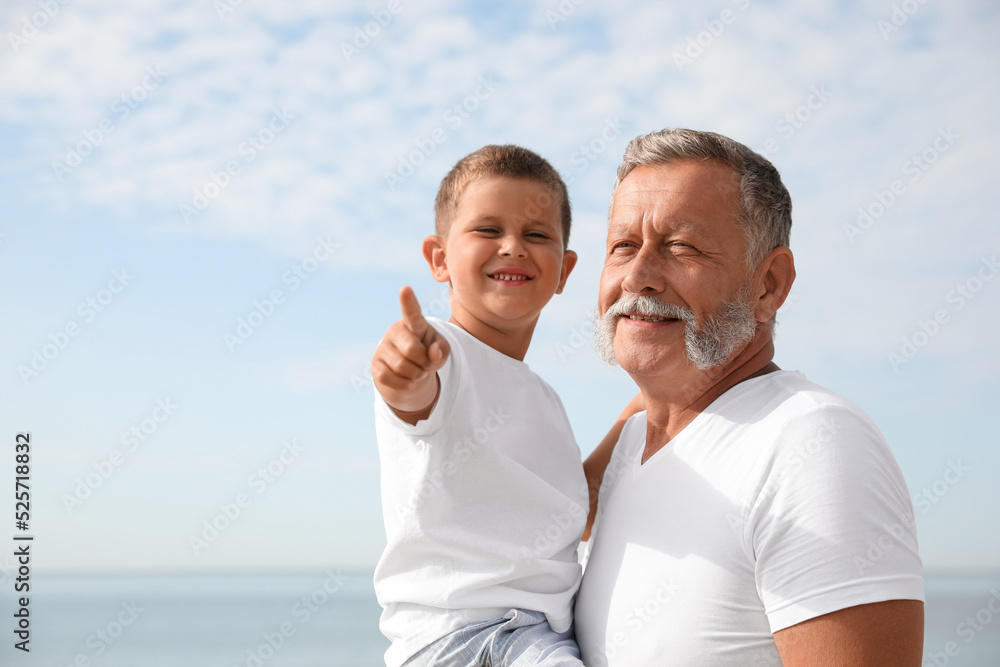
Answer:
(433, 248)
(569, 261)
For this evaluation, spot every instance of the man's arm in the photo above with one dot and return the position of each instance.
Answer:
(598, 460)
(876, 635)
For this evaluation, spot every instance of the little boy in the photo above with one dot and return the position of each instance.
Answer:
(483, 491)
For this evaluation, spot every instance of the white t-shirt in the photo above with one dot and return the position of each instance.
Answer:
(484, 502)
(779, 503)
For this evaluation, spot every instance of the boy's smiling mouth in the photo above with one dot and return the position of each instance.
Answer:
(511, 275)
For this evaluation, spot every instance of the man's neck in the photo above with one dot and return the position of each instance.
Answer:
(674, 401)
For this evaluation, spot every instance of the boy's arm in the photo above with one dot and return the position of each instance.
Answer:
(406, 362)
(598, 460)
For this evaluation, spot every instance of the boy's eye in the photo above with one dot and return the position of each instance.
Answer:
(537, 235)
(487, 230)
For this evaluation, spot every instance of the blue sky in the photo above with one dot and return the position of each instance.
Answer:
(118, 118)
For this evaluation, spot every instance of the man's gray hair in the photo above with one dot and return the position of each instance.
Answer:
(765, 205)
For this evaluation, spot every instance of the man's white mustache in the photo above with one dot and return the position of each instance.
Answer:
(709, 345)
(649, 306)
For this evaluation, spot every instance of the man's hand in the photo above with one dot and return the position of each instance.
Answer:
(406, 362)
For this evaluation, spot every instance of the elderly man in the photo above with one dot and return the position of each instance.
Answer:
(748, 516)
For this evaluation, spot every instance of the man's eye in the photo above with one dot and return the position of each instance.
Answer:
(622, 245)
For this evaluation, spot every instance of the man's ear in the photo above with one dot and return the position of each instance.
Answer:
(433, 248)
(569, 261)
(774, 278)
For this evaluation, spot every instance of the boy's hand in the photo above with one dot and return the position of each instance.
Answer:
(406, 362)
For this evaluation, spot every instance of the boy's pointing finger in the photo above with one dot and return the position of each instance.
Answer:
(413, 317)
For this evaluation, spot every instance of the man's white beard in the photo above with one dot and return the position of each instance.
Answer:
(727, 330)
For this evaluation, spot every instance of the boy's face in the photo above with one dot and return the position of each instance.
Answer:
(503, 254)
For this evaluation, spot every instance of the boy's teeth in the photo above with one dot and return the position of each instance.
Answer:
(504, 276)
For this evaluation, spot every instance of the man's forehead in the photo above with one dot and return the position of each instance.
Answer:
(676, 188)
(706, 177)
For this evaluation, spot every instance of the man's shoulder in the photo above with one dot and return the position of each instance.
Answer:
(784, 409)
(787, 393)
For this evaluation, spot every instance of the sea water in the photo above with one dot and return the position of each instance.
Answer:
(326, 619)
(298, 620)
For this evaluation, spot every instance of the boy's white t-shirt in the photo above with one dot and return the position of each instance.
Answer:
(484, 502)
(780, 502)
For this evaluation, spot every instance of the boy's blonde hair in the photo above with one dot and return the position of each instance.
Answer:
(499, 161)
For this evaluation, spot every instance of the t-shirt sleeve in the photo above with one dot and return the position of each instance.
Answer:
(449, 375)
(832, 525)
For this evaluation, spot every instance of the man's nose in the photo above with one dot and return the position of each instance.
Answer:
(645, 273)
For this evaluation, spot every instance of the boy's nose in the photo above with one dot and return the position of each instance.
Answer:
(511, 246)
